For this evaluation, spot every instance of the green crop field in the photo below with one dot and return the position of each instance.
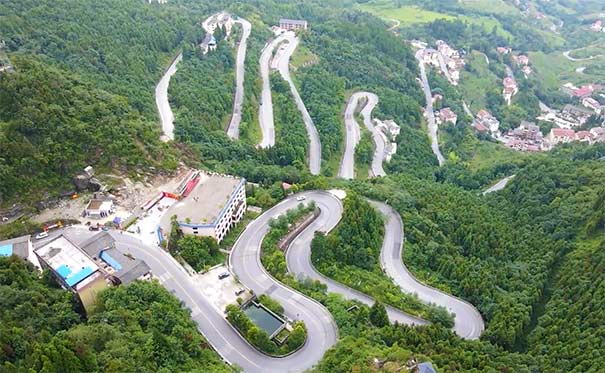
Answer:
(412, 14)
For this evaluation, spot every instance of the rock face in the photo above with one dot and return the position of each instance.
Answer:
(81, 182)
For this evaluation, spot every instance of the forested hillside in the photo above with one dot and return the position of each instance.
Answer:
(54, 123)
(41, 331)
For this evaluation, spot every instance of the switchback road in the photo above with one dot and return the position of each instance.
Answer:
(430, 114)
(468, 322)
(240, 68)
(284, 70)
(265, 110)
(347, 165)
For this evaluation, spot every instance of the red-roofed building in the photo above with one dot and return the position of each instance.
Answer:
(561, 135)
(583, 91)
(583, 136)
(447, 115)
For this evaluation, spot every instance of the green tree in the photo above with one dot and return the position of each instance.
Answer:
(378, 315)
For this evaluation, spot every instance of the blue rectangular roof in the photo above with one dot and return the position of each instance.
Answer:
(6, 250)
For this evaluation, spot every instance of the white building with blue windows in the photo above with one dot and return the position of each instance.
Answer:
(211, 209)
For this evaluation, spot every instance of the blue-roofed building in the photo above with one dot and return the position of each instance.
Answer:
(426, 368)
(73, 269)
(17, 246)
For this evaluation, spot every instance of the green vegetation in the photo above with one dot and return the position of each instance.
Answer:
(140, 326)
(272, 257)
(53, 124)
(200, 253)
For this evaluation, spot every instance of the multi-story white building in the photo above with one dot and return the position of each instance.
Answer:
(210, 209)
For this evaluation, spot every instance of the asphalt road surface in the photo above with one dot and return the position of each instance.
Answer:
(499, 185)
(347, 165)
(430, 115)
(245, 263)
(236, 117)
(265, 110)
(298, 256)
(161, 100)
(284, 69)
(468, 322)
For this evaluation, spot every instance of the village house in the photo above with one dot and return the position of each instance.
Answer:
(293, 24)
(208, 44)
(580, 114)
(446, 115)
(521, 60)
(503, 50)
(485, 119)
(597, 26)
(527, 70)
(560, 136)
(510, 89)
(592, 104)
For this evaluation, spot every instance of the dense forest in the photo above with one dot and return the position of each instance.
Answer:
(135, 327)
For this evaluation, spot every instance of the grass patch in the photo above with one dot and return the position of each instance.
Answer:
(477, 81)
(302, 57)
(489, 153)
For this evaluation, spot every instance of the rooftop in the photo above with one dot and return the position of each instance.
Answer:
(293, 21)
(102, 247)
(16, 246)
(205, 202)
(67, 260)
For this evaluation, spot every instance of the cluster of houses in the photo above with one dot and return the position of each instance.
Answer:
(445, 58)
(521, 60)
(222, 20)
(388, 130)
(564, 135)
(597, 26)
(528, 137)
(571, 115)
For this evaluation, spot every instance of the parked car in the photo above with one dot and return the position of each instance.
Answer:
(41, 235)
(94, 228)
(301, 198)
(223, 275)
(239, 292)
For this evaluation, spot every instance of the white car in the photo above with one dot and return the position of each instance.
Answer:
(301, 198)
(41, 235)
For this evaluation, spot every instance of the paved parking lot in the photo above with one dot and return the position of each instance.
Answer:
(220, 292)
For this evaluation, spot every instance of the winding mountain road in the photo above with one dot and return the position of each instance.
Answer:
(430, 114)
(298, 254)
(347, 164)
(265, 109)
(161, 100)
(468, 322)
(284, 70)
(240, 69)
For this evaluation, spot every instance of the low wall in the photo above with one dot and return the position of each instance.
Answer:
(285, 242)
